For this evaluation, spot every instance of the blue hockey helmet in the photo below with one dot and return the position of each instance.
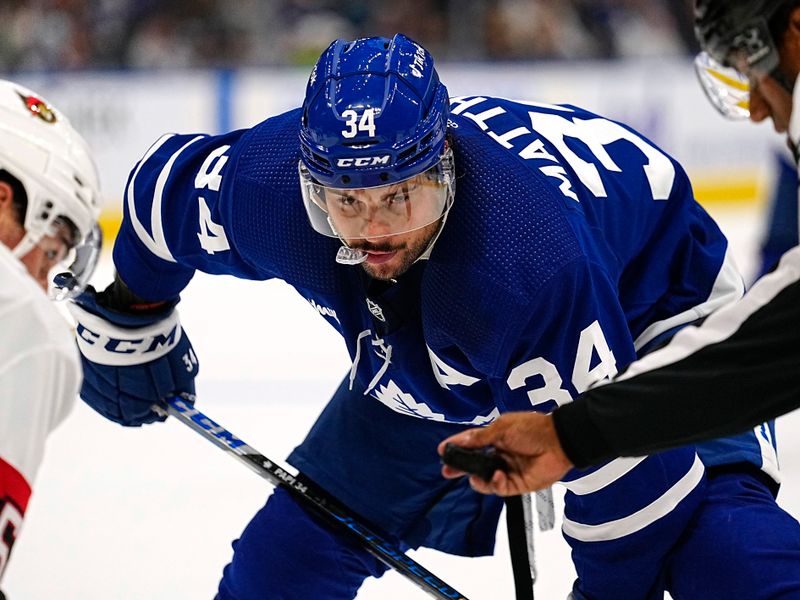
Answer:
(374, 113)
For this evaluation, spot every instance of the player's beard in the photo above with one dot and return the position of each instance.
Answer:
(407, 253)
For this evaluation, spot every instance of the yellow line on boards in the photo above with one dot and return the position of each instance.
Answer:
(728, 190)
(110, 219)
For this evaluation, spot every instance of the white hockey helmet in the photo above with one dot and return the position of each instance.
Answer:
(39, 147)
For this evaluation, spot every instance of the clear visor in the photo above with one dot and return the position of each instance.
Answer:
(727, 89)
(73, 265)
(370, 213)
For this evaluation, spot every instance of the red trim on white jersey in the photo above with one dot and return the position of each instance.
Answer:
(14, 487)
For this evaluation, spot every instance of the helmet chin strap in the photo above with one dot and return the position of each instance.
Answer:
(25, 245)
(427, 253)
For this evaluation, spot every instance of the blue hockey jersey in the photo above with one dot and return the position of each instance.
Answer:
(572, 244)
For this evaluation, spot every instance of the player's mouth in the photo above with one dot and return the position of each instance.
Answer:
(375, 257)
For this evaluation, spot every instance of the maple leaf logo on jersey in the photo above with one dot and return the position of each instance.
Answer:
(399, 401)
(38, 108)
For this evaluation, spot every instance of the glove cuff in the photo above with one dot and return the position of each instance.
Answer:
(119, 298)
(105, 343)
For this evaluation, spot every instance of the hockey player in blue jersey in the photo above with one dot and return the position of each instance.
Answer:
(477, 255)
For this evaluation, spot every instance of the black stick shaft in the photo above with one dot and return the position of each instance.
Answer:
(312, 497)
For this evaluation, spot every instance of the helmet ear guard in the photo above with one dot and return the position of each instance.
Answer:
(53, 163)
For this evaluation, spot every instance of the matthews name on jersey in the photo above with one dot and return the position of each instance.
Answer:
(573, 243)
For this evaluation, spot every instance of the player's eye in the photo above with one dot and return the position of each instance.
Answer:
(53, 250)
(401, 195)
(348, 205)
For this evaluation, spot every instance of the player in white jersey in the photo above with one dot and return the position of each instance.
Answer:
(742, 365)
(48, 226)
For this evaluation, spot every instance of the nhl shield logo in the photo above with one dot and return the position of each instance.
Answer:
(376, 310)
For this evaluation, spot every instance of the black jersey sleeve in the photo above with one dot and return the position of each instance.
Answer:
(739, 368)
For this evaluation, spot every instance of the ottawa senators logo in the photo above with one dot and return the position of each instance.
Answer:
(38, 108)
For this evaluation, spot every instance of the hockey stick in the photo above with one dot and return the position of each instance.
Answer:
(311, 497)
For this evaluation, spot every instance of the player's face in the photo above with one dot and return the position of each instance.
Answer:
(40, 260)
(770, 100)
(48, 252)
(392, 224)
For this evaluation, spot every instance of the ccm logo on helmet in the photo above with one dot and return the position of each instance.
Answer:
(363, 161)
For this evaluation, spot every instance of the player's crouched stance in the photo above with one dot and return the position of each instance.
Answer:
(48, 225)
(478, 255)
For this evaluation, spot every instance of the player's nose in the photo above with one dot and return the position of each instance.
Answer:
(375, 226)
(376, 235)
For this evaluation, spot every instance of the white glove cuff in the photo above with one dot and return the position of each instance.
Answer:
(104, 343)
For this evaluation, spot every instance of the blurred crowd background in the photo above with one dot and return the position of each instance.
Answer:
(111, 34)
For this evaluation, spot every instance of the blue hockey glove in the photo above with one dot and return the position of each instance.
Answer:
(132, 359)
